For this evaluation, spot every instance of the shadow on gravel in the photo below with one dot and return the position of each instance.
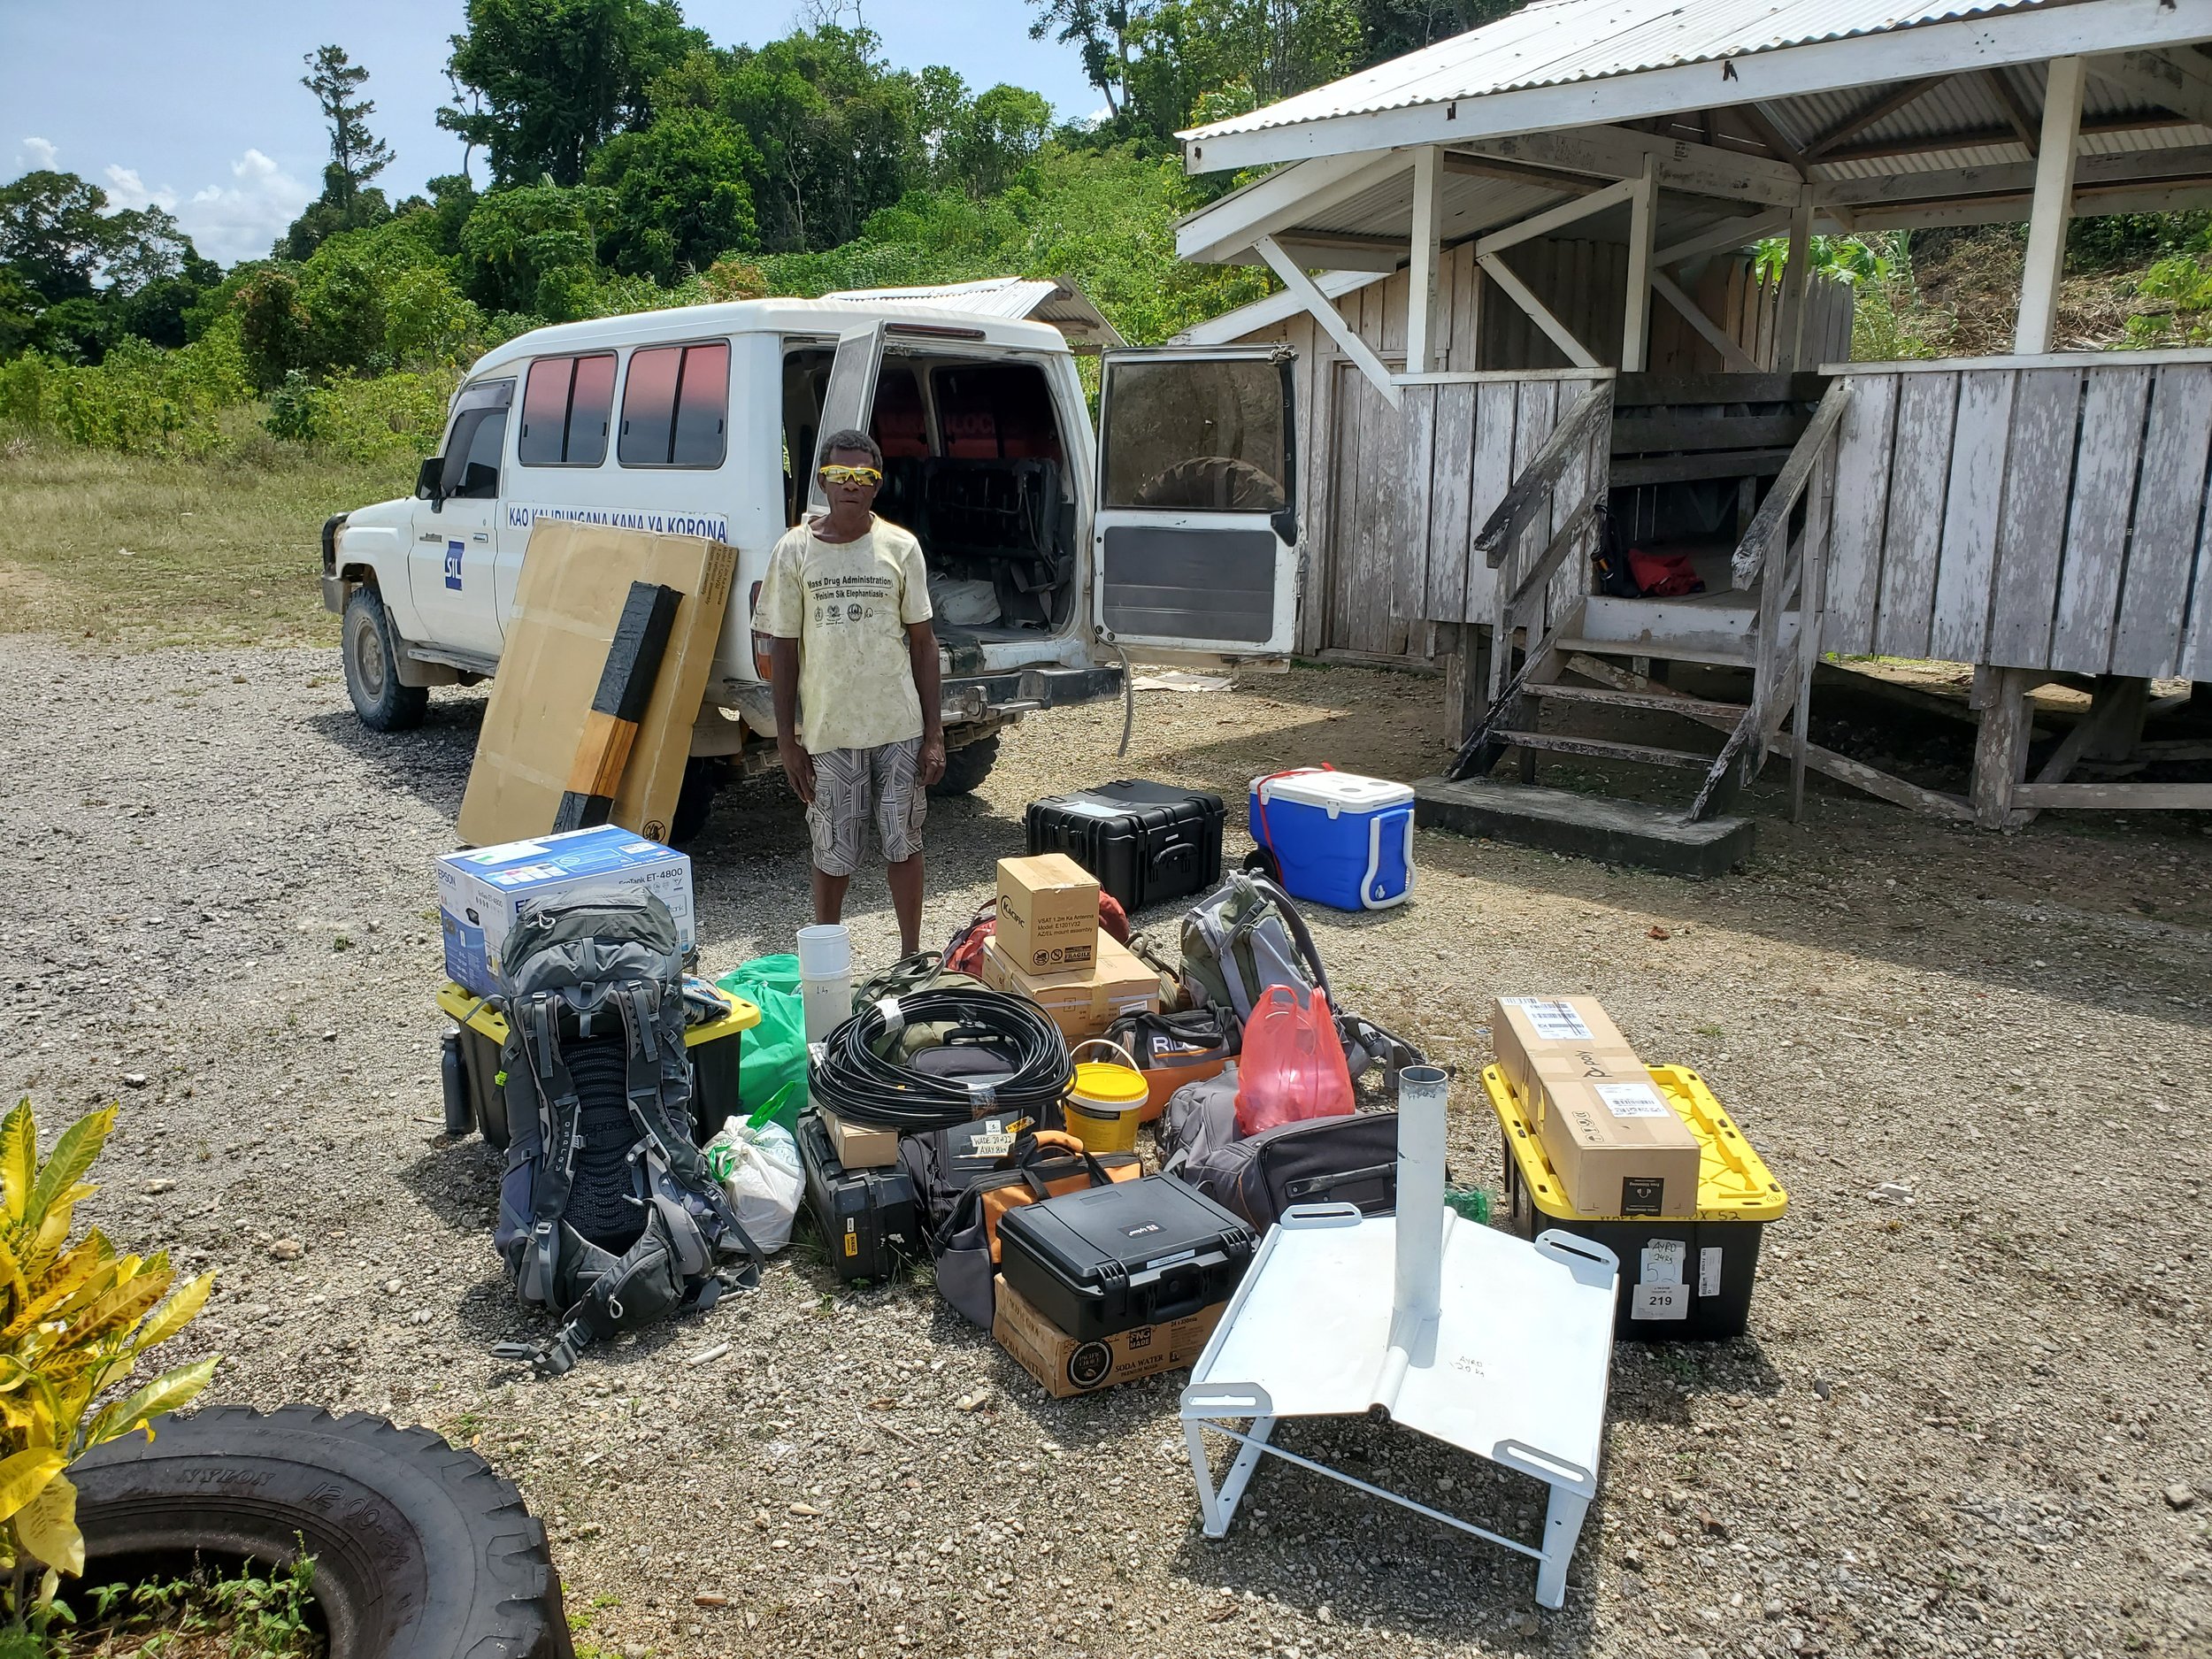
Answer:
(457, 1182)
(431, 762)
(1655, 1382)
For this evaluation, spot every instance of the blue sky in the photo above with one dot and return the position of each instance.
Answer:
(198, 105)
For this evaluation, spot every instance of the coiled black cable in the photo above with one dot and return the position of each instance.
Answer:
(853, 1079)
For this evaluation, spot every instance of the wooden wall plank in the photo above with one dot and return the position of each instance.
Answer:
(1920, 468)
(1861, 505)
(2169, 507)
(1353, 396)
(1450, 532)
(2031, 526)
(2110, 444)
(1408, 580)
(2195, 661)
(1321, 493)
(1489, 475)
(1971, 499)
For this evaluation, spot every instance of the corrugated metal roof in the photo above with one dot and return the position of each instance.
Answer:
(1059, 303)
(1553, 42)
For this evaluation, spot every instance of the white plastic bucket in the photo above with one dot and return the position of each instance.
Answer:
(826, 950)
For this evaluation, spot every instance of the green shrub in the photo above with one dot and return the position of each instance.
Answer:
(139, 399)
(392, 417)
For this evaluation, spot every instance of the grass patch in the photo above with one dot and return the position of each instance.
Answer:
(222, 551)
(204, 1615)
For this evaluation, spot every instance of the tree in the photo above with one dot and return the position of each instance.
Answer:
(529, 249)
(1257, 51)
(991, 140)
(466, 118)
(356, 156)
(55, 234)
(558, 78)
(1098, 30)
(679, 197)
(1391, 29)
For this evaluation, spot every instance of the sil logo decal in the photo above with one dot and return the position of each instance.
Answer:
(453, 564)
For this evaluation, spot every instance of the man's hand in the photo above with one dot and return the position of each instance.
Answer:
(798, 766)
(932, 760)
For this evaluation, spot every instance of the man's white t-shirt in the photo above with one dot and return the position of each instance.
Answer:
(849, 604)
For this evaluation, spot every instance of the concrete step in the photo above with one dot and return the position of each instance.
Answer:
(1588, 826)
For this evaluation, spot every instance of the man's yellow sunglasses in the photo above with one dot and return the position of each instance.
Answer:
(851, 475)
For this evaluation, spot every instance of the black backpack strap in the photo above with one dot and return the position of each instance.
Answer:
(538, 1023)
(1299, 935)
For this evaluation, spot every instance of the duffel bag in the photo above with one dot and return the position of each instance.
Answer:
(1350, 1159)
(1172, 1049)
(1201, 1118)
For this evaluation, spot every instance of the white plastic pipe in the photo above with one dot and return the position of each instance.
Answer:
(1421, 1090)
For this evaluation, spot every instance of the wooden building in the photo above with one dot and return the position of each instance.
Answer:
(1514, 259)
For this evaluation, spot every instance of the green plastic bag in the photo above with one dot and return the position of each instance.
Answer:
(772, 1060)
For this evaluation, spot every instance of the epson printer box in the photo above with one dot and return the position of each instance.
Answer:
(481, 893)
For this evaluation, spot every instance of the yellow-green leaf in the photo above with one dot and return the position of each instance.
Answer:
(168, 1393)
(167, 1320)
(18, 1160)
(119, 1310)
(71, 1157)
(24, 1476)
(71, 1270)
(47, 1527)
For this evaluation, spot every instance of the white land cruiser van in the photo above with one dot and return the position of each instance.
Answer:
(1048, 555)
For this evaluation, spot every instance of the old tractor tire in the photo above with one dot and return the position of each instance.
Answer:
(967, 766)
(421, 1551)
(370, 650)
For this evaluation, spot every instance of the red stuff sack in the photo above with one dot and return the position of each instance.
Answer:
(1293, 1064)
(1662, 575)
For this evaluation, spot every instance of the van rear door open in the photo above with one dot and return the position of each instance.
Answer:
(1195, 534)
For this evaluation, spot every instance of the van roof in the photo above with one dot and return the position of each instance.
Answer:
(769, 315)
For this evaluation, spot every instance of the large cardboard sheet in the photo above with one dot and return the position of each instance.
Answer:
(567, 604)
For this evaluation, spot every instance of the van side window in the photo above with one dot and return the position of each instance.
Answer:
(675, 406)
(566, 406)
(472, 454)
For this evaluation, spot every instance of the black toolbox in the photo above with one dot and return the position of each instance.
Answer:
(1109, 1259)
(867, 1217)
(1146, 842)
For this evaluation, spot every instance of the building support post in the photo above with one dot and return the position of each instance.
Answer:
(1797, 277)
(2045, 260)
(1643, 228)
(2001, 744)
(1466, 680)
(1425, 345)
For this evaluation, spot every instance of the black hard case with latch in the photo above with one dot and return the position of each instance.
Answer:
(1146, 842)
(867, 1217)
(1112, 1258)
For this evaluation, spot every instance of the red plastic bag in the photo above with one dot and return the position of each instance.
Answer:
(1293, 1064)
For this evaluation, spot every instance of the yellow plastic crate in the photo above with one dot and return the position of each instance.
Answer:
(466, 1008)
(1681, 1276)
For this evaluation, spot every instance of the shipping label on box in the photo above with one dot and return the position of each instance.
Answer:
(1066, 1366)
(481, 893)
(1048, 913)
(1082, 1004)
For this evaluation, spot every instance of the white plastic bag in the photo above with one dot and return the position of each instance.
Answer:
(969, 603)
(760, 1174)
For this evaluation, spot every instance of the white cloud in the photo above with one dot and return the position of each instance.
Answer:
(36, 153)
(239, 221)
(126, 188)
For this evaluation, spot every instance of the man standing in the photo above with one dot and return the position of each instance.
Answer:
(854, 670)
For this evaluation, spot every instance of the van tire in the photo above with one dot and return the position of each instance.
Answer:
(967, 766)
(422, 1550)
(694, 799)
(370, 650)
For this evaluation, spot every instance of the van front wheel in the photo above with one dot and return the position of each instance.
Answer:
(967, 766)
(372, 655)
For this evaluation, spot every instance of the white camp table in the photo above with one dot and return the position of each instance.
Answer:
(1494, 1345)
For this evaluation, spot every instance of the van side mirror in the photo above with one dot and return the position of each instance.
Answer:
(427, 478)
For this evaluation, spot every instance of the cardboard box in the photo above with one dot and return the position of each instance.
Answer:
(567, 601)
(481, 893)
(1522, 1027)
(857, 1146)
(1066, 1367)
(1048, 913)
(1615, 1143)
(1085, 1002)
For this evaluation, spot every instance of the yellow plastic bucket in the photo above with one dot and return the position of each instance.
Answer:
(1107, 1100)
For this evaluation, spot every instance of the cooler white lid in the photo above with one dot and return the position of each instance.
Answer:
(1337, 791)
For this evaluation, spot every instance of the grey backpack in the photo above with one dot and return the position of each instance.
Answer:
(1247, 936)
(608, 1214)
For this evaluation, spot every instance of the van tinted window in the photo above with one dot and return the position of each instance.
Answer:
(675, 406)
(1198, 436)
(566, 408)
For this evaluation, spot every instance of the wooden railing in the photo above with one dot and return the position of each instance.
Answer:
(1560, 493)
(1798, 576)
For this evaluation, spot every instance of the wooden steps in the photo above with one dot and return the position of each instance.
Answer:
(1666, 701)
(1603, 827)
(1602, 748)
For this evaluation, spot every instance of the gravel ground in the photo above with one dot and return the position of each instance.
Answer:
(1973, 1420)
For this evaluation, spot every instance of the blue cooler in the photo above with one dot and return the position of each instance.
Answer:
(1339, 839)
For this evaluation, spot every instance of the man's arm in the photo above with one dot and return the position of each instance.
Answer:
(783, 680)
(921, 651)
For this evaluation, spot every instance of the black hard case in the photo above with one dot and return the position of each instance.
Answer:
(867, 1217)
(1106, 1260)
(1146, 842)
